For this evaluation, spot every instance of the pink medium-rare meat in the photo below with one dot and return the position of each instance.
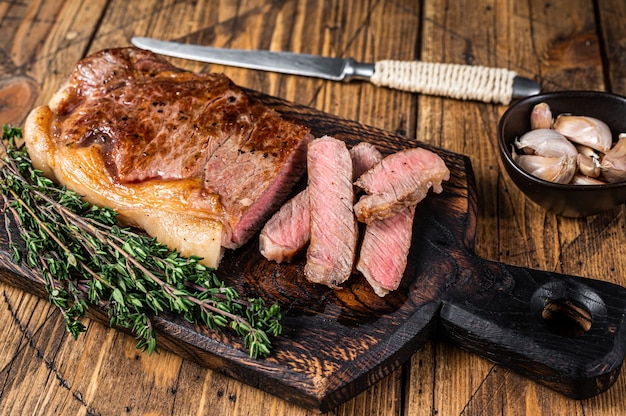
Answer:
(364, 156)
(333, 228)
(189, 157)
(287, 232)
(254, 173)
(384, 251)
(399, 180)
(398, 183)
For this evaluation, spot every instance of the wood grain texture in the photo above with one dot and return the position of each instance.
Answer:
(563, 44)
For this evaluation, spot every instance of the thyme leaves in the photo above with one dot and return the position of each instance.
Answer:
(83, 258)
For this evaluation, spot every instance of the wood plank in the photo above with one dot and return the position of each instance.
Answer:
(612, 14)
(33, 42)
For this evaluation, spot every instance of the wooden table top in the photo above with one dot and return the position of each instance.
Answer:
(565, 45)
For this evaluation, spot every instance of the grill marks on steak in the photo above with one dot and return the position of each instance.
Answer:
(153, 122)
(333, 228)
(287, 232)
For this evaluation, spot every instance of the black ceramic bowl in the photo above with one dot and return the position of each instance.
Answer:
(565, 200)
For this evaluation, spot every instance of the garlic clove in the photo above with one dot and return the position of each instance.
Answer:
(553, 169)
(588, 166)
(588, 151)
(579, 179)
(613, 163)
(541, 117)
(588, 131)
(545, 142)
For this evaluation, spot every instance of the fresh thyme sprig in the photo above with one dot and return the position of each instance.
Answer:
(83, 257)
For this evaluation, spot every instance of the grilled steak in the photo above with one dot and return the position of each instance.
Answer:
(384, 251)
(189, 157)
(331, 252)
(400, 180)
(287, 232)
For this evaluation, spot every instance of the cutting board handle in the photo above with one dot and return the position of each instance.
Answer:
(566, 332)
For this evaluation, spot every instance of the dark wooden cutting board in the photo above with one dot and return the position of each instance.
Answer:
(563, 331)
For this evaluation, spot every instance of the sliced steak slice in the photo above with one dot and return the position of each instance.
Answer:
(333, 228)
(287, 232)
(364, 156)
(384, 251)
(399, 180)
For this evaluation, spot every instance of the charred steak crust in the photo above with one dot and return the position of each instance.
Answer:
(154, 121)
